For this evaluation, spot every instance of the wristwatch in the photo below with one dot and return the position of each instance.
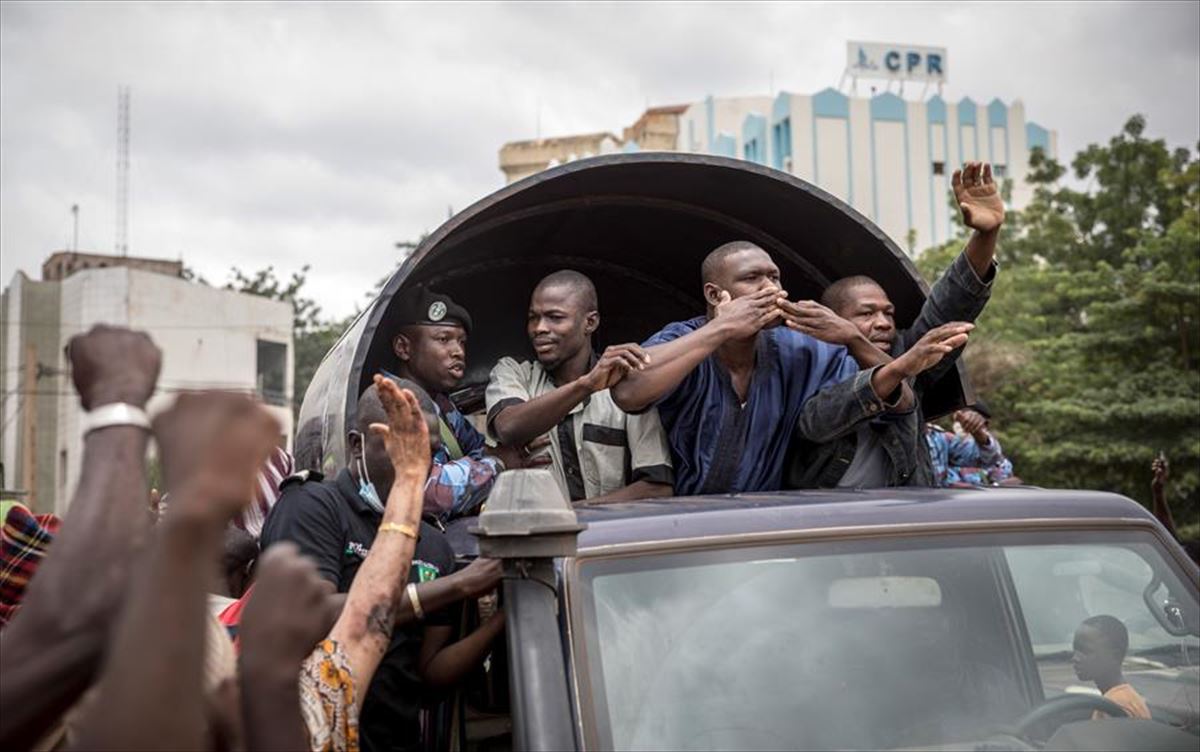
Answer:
(115, 414)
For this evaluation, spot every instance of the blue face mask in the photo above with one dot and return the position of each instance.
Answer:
(366, 489)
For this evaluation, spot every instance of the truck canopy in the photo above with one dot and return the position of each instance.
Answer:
(638, 225)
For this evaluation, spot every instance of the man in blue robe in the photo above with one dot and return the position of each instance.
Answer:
(731, 385)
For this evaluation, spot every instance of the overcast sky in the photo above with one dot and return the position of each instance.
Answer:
(318, 134)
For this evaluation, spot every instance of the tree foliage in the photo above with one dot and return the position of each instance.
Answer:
(313, 334)
(1089, 352)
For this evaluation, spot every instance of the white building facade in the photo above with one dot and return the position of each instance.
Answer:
(210, 338)
(888, 157)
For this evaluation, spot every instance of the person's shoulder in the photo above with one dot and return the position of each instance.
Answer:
(305, 490)
(520, 370)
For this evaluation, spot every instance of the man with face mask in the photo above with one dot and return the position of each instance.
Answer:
(598, 452)
(335, 523)
(431, 350)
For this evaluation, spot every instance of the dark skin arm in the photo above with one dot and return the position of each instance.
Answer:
(670, 362)
(818, 321)
(517, 425)
(473, 581)
(51, 650)
(443, 667)
(639, 489)
(282, 623)
(982, 209)
(1158, 486)
(212, 445)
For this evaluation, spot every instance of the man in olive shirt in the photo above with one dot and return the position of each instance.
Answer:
(598, 452)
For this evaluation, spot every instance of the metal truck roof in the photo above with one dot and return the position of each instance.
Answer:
(849, 510)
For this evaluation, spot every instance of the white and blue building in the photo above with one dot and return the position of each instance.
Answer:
(888, 157)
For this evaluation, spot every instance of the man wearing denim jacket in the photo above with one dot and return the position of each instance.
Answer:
(842, 444)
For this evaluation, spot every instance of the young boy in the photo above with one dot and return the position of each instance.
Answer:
(1100, 646)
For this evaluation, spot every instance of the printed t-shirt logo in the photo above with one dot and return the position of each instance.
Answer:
(354, 548)
(426, 572)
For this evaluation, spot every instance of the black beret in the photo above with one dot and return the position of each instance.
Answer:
(420, 305)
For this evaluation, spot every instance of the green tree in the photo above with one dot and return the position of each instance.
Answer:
(313, 335)
(1088, 351)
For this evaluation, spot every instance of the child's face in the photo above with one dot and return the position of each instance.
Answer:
(1092, 657)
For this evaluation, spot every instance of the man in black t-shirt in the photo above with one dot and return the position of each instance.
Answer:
(335, 522)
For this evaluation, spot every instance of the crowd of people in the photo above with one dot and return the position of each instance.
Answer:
(330, 609)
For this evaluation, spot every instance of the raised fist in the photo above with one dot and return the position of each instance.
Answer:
(287, 613)
(110, 364)
(212, 445)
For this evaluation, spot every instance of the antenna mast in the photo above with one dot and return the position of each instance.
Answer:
(122, 170)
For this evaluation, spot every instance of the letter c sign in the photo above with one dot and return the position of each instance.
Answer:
(892, 60)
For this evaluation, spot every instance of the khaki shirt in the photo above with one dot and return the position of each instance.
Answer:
(597, 448)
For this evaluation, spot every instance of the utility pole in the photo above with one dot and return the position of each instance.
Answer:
(75, 234)
(29, 404)
(122, 243)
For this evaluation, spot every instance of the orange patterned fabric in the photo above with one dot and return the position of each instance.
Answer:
(327, 700)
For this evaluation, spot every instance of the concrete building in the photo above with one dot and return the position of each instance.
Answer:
(210, 339)
(657, 129)
(519, 159)
(889, 158)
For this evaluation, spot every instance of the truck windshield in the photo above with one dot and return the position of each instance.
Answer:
(909, 643)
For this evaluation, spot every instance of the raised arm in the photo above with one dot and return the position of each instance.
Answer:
(283, 621)
(818, 321)
(364, 627)
(51, 650)
(838, 409)
(962, 292)
(982, 209)
(150, 694)
(517, 422)
(670, 362)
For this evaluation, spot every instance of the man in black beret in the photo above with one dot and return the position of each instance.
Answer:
(431, 349)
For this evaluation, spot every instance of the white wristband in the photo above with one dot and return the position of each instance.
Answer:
(115, 414)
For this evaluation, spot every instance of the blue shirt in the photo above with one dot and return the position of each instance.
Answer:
(719, 446)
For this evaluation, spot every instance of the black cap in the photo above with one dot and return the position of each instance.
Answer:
(421, 305)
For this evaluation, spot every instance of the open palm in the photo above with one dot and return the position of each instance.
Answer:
(978, 196)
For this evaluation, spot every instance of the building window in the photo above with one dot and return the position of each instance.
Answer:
(1000, 171)
(782, 132)
(271, 374)
(939, 168)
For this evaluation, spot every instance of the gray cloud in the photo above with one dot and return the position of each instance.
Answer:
(321, 134)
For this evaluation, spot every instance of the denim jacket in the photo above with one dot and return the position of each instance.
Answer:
(826, 434)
